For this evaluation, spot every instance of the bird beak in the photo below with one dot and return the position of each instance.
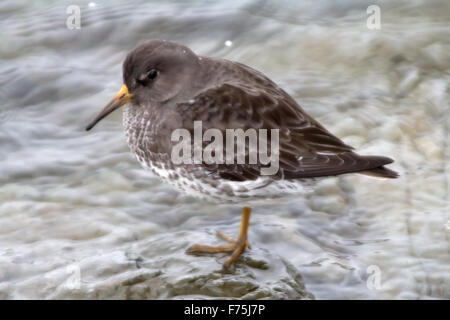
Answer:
(121, 98)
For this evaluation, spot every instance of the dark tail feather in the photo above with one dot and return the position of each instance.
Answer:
(381, 172)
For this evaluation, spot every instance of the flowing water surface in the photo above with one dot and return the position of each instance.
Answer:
(79, 218)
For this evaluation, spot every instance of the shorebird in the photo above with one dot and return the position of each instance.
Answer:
(166, 87)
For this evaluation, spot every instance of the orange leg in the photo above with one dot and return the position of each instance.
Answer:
(237, 247)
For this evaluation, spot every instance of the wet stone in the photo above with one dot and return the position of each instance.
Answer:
(158, 269)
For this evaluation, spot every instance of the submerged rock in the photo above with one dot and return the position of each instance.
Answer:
(159, 268)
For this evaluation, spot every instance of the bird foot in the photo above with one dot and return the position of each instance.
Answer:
(237, 247)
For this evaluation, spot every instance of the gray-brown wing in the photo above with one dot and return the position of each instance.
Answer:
(306, 148)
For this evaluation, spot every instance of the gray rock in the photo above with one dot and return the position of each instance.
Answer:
(158, 268)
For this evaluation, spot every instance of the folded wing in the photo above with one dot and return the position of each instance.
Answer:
(306, 148)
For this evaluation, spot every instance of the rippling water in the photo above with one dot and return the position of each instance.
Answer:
(79, 218)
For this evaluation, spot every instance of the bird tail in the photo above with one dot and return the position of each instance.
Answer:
(380, 171)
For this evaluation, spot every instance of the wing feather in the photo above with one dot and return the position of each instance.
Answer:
(307, 149)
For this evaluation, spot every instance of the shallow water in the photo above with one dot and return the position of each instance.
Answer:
(79, 218)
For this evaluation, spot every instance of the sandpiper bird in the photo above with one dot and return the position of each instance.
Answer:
(168, 87)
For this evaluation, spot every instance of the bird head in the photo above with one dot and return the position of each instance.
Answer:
(154, 72)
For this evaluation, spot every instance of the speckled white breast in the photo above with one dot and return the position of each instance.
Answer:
(185, 178)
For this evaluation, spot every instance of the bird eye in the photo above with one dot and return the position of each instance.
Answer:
(152, 74)
(145, 78)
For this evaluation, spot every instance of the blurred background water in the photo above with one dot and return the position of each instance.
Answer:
(79, 218)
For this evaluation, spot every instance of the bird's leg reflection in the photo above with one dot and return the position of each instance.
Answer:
(237, 247)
